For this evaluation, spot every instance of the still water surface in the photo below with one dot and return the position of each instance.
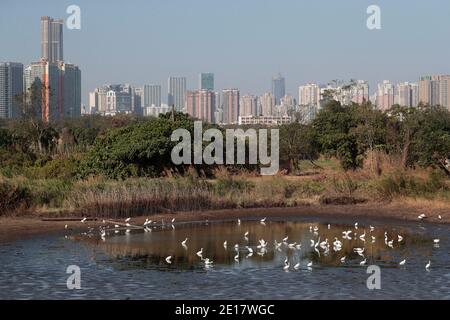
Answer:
(134, 265)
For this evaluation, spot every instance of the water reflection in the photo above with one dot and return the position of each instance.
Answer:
(304, 245)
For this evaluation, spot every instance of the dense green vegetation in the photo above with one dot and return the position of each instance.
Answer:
(51, 164)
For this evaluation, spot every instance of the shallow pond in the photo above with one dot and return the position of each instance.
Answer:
(133, 265)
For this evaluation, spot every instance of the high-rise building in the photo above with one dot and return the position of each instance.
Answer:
(407, 94)
(71, 76)
(248, 105)
(309, 95)
(385, 95)
(97, 100)
(11, 85)
(206, 81)
(60, 84)
(46, 79)
(152, 95)
(52, 39)
(434, 90)
(137, 98)
(278, 88)
(230, 105)
(360, 92)
(119, 99)
(267, 101)
(176, 92)
(200, 104)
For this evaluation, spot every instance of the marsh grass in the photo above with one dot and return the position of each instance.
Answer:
(100, 197)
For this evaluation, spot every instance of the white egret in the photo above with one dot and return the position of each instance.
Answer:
(127, 219)
(400, 238)
(286, 267)
(285, 239)
(363, 262)
(428, 265)
(183, 243)
(390, 244)
(208, 262)
(263, 220)
(343, 259)
(83, 220)
(309, 265)
(225, 244)
(402, 263)
(297, 266)
(168, 259)
(436, 241)
(200, 253)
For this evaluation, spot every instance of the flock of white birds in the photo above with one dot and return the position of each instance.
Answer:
(320, 247)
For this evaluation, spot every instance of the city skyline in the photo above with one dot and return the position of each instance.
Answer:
(249, 70)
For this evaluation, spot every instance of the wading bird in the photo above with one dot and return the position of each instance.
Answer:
(402, 263)
(183, 243)
(168, 259)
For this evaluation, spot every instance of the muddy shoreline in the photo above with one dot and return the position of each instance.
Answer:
(14, 228)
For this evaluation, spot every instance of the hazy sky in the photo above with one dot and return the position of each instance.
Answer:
(244, 42)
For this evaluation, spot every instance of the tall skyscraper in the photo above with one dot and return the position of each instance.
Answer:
(385, 95)
(278, 88)
(267, 101)
(407, 94)
(200, 104)
(60, 84)
(360, 92)
(309, 95)
(97, 100)
(71, 76)
(45, 77)
(52, 39)
(119, 99)
(206, 81)
(248, 105)
(230, 105)
(152, 95)
(11, 85)
(176, 92)
(434, 90)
